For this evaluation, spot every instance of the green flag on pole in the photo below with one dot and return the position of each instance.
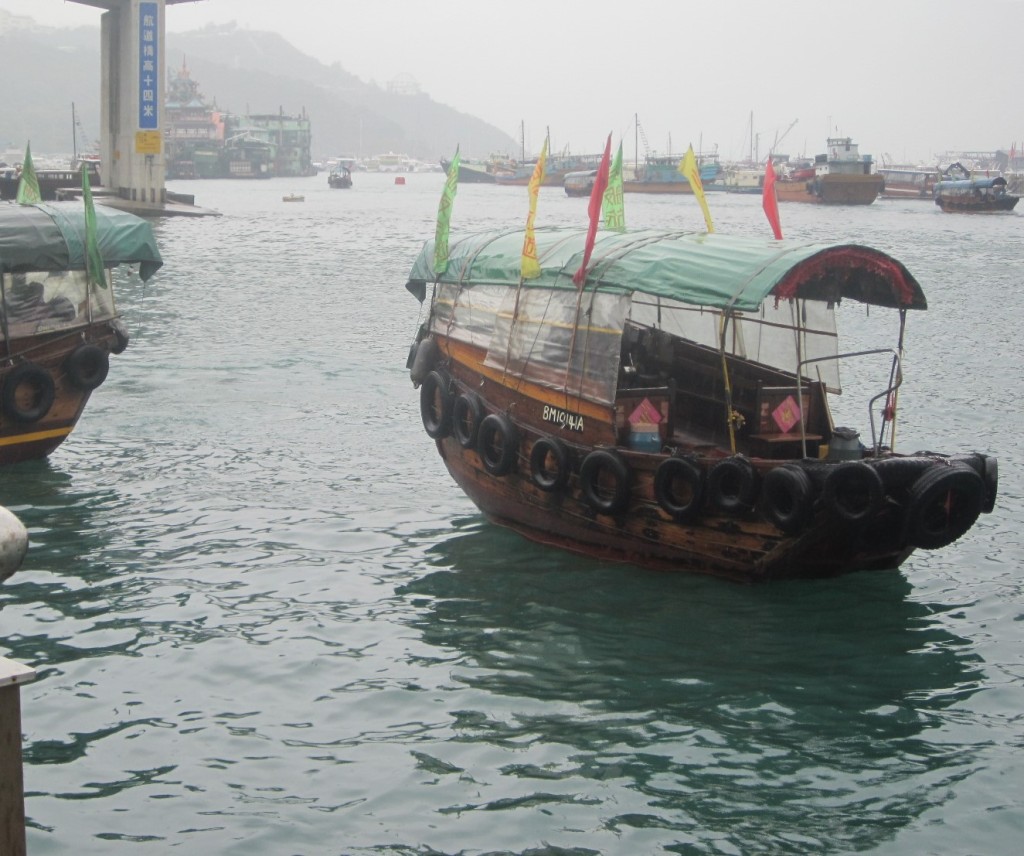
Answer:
(613, 205)
(444, 215)
(93, 257)
(28, 184)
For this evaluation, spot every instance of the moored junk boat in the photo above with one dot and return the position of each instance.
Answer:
(674, 413)
(958, 192)
(57, 328)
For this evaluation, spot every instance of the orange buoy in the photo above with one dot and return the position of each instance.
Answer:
(399, 179)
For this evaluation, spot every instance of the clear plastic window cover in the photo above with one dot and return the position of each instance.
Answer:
(45, 301)
(538, 348)
(769, 336)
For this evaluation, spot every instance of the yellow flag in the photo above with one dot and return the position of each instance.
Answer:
(530, 265)
(689, 168)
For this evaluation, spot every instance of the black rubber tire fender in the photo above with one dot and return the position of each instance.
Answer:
(553, 476)
(787, 498)
(943, 504)
(39, 379)
(436, 405)
(498, 444)
(990, 478)
(679, 488)
(732, 485)
(121, 337)
(87, 366)
(467, 414)
(598, 468)
(853, 492)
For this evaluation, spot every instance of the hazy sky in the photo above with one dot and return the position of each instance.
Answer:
(906, 79)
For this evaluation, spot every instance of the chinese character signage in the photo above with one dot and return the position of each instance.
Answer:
(149, 112)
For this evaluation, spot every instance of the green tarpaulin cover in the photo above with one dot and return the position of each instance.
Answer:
(713, 270)
(51, 236)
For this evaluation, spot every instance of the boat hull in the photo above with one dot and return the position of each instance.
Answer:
(742, 540)
(742, 548)
(28, 428)
(965, 205)
(835, 189)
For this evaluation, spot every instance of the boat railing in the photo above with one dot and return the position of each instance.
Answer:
(896, 379)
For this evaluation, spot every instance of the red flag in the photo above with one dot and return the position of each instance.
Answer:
(769, 202)
(596, 198)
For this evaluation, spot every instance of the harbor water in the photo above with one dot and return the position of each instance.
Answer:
(266, 621)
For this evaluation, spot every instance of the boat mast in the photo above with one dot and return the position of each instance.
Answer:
(74, 138)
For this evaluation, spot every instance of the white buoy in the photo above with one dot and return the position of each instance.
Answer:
(13, 543)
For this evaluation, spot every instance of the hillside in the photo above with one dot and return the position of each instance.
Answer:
(46, 69)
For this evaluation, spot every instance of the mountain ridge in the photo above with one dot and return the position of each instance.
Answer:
(242, 71)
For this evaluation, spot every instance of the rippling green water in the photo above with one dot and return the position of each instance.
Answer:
(266, 621)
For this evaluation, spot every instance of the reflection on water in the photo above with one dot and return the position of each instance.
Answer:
(725, 712)
(266, 621)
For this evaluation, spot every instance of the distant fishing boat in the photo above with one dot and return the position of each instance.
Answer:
(660, 174)
(842, 177)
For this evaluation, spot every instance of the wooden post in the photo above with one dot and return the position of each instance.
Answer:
(12, 788)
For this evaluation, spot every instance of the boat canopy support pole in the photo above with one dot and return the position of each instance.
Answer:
(729, 416)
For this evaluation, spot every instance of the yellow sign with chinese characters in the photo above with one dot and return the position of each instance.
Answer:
(148, 142)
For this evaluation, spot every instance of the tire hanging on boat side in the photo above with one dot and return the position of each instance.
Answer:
(467, 414)
(38, 380)
(732, 485)
(605, 481)
(787, 498)
(87, 367)
(498, 444)
(436, 405)
(943, 504)
(853, 492)
(550, 464)
(679, 488)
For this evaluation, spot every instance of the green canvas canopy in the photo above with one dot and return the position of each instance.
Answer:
(51, 236)
(721, 271)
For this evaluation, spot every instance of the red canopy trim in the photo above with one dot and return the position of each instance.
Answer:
(855, 272)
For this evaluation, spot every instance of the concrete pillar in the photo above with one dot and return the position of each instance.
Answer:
(132, 90)
(133, 85)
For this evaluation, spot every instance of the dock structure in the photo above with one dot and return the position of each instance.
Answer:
(12, 787)
(133, 83)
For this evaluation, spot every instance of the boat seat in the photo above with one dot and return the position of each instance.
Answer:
(779, 427)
